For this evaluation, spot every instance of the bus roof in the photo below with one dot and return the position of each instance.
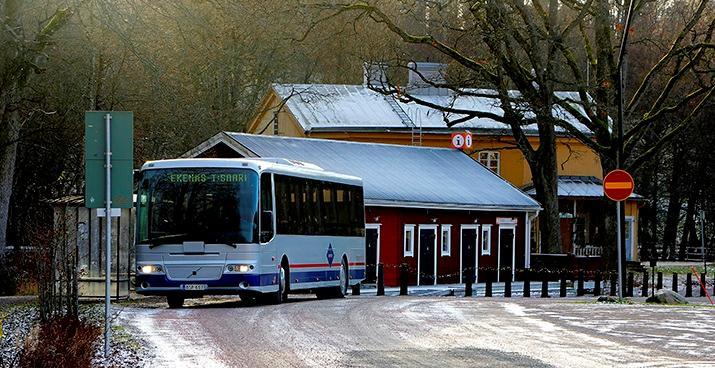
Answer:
(274, 165)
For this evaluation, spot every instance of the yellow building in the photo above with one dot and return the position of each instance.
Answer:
(357, 113)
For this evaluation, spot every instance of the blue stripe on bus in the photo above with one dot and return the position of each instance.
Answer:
(251, 279)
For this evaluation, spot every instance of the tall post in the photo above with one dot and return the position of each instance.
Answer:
(618, 245)
(702, 241)
(108, 231)
(620, 215)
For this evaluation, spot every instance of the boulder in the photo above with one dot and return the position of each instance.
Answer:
(665, 296)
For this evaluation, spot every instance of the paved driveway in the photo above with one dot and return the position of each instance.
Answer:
(366, 331)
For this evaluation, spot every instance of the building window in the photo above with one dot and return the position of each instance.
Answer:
(486, 239)
(446, 240)
(409, 241)
(490, 159)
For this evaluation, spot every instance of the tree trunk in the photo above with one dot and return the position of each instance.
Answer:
(9, 135)
(674, 204)
(689, 231)
(545, 178)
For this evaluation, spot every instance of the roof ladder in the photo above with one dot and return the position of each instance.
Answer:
(404, 119)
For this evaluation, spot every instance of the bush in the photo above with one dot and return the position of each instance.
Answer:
(61, 342)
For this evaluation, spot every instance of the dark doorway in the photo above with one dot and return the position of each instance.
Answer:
(469, 253)
(428, 237)
(506, 246)
(372, 237)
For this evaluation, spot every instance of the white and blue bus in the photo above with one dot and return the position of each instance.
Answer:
(257, 228)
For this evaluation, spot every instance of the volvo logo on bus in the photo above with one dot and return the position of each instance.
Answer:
(330, 255)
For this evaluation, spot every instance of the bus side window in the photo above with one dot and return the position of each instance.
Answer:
(266, 208)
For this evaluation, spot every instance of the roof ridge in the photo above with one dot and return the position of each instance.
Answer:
(346, 141)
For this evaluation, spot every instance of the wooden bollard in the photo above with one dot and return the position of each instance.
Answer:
(488, 286)
(675, 282)
(562, 285)
(597, 284)
(614, 281)
(688, 285)
(579, 289)
(507, 287)
(380, 280)
(527, 284)
(356, 289)
(702, 288)
(403, 278)
(468, 283)
(629, 286)
(544, 285)
(644, 289)
(659, 283)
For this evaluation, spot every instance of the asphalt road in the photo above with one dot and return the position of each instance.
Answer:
(368, 331)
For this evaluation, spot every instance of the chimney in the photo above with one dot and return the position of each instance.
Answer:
(374, 74)
(420, 73)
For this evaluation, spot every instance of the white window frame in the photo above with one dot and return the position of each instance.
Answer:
(445, 229)
(411, 229)
(496, 157)
(487, 238)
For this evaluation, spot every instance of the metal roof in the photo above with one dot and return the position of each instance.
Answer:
(394, 175)
(345, 107)
(579, 187)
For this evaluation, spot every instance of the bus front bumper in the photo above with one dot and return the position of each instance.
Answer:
(227, 284)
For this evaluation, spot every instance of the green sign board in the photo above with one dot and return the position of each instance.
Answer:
(122, 159)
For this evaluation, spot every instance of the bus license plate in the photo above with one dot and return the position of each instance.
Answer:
(195, 287)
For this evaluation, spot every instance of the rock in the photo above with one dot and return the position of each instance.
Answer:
(665, 296)
(607, 299)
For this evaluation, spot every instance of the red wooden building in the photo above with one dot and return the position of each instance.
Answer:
(435, 209)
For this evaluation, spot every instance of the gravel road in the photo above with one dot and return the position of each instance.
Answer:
(367, 331)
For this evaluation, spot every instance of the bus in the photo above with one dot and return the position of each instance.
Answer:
(256, 228)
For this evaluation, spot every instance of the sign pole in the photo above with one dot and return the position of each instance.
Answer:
(618, 246)
(702, 241)
(108, 232)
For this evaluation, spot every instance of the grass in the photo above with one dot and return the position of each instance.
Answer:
(669, 270)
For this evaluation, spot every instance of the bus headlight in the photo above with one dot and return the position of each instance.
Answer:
(240, 268)
(150, 269)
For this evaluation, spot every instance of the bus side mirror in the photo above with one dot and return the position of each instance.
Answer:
(266, 226)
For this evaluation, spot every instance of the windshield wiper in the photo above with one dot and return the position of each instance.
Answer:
(153, 241)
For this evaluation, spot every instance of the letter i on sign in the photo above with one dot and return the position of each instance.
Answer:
(467, 140)
(457, 140)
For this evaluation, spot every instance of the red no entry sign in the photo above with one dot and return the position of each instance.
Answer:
(618, 185)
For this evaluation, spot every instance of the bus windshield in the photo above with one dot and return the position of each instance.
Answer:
(212, 205)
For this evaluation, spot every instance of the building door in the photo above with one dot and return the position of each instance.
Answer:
(468, 255)
(427, 264)
(372, 251)
(629, 238)
(506, 253)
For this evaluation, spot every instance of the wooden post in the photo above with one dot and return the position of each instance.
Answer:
(380, 280)
(644, 289)
(507, 286)
(702, 279)
(468, 282)
(597, 284)
(579, 290)
(527, 284)
(612, 291)
(544, 285)
(688, 285)
(488, 287)
(403, 279)
(562, 286)
(629, 288)
(659, 285)
(675, 282)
